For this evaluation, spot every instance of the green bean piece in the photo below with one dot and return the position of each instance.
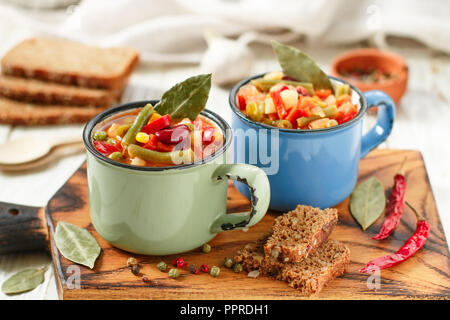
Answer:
(285, 124)
(140, 120)
(266, 84)
(115, 155)
(342, 89)
(252, 110)
(303, 121)
(100, 135)
(122, 130)
(174, 157)
(330, 111)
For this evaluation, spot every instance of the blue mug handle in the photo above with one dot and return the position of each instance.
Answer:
(385, 120)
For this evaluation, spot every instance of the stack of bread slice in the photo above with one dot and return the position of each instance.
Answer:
(52, 81)
(297, 250)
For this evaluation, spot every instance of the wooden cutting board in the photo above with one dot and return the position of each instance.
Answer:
(425, 275)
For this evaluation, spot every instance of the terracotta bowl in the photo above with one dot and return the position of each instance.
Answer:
(374, 58)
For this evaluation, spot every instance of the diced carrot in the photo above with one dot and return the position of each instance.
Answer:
(294, 114)
(323, 93)
(346, 112)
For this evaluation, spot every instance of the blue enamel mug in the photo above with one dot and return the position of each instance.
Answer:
(311, 167)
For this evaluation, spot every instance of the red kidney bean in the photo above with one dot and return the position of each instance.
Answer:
(173, 135)
(208, 135)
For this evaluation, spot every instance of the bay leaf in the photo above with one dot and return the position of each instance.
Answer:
(186, 99)
(367, 202)
(299, 66)
(23, 281)
(76, 244)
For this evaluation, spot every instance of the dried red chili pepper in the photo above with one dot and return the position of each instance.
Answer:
(394, 206)
(204, 268)
(411, 246)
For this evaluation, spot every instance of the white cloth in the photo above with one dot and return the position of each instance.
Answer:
(173, 30)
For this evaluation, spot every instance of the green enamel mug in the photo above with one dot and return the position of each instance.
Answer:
(168, 210)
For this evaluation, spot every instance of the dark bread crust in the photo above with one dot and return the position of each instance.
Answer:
(14, 63)
(19, 113)
(35, 91)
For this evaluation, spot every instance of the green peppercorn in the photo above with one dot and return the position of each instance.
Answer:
(174, 273)
(228, 262)
(111, 141)
(214, 271)
(115, 155)
(162, 266)
(206, 248)
(237, 268)
(100, 135)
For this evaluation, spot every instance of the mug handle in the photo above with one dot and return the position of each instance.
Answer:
(385, 120)
(257, 182)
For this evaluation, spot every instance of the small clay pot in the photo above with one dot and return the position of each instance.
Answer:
(374, 58)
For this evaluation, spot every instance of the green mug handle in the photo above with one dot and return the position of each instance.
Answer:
(257, 182)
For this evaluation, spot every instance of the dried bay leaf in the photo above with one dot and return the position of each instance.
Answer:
(299, 66)
(23, 281)
(76, 244)
(367, 202)
(186, 99)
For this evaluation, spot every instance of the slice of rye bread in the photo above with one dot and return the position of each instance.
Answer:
(21, 113)
(30, 90)
(299, 232)
(309, 276)
(69, 62)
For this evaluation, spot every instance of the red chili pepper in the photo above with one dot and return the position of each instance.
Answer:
(104, 148)
(411, 246)
(208, 135)
(204, 268)
(157, 125)
(173, 135)
(278, 102)
(242, 103)
(394, 206)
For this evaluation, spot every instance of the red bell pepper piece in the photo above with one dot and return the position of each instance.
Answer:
(104, 148)
(154, 144)
(208, 135)
(294, 114)
(278, 102)
(157, 125)
(242, 103)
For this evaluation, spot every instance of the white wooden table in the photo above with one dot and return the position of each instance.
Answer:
(421, 124)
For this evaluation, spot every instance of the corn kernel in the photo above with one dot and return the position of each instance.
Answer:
(155, 116)
(142, 137)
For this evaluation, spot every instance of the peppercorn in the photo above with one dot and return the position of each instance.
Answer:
(214, 271)
(206, 248)
(228, 262)
(193, 269)
(162, 266)
(180, 263)
(174, 273)
(237, 268)
(204, 268)
(132, 262)
(145, 279)
(135, 269)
